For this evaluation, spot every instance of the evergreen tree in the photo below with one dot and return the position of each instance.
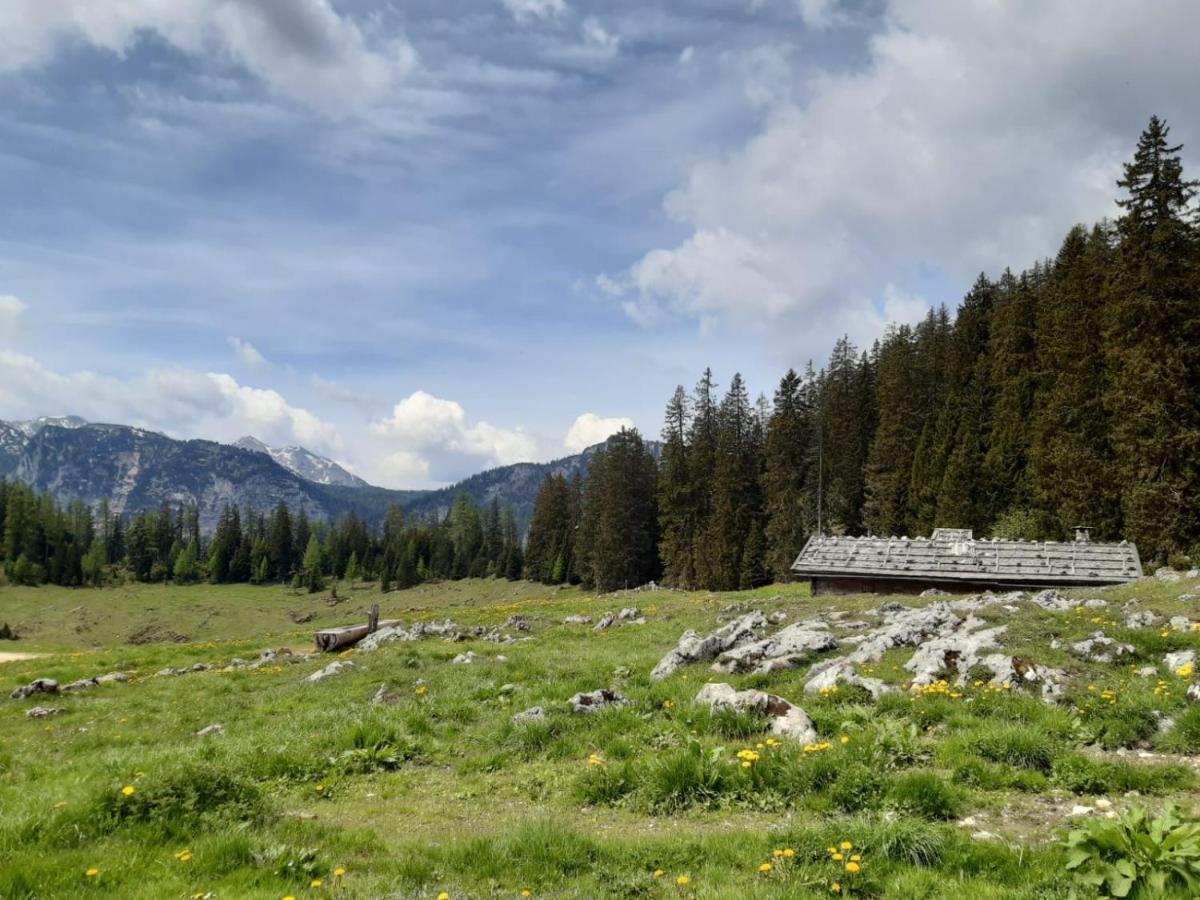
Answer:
(313, 566)
(1152, 349)
(787, 457)
(677, 501)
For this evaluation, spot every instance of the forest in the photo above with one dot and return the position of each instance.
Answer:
(1064, 394)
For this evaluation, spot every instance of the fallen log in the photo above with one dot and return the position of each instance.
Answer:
(328, 639)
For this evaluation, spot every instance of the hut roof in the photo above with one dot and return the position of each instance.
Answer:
(954, 554)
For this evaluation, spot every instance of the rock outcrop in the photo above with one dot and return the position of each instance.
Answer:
(694, 648)
(785, 718)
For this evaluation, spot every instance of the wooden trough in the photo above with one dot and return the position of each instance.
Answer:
(328, 639)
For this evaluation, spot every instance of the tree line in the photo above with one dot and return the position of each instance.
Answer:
(44, 542)
(1065, 394)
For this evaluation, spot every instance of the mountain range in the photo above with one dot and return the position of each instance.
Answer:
(135, 469)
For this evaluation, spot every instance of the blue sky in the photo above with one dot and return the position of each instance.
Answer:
(431, 236)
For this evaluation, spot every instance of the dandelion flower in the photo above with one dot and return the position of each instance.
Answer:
(289, 897)
(658, 873)
(444, 895)
(316, 883)
(831, 849)
(92, 872)
(836, 888)
(682, 879)
(846, 845)
(764, 868)
(845, 738)
(526, 893)
(852, 867)
(421, 691)
(128, 790)
(778, 853)
(855, 858)
(837, 857)
(789, 852)
(746, 764)
(339, 872)
(1185, 670)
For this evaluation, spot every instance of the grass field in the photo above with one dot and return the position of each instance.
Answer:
(311, 790)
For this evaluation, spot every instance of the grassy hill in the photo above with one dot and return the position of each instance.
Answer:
(439, 790)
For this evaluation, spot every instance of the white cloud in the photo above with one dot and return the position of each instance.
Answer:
(178, 401)
(972, 138)
(422, 426)
(599, 39)
(303, 49)
(12, 316)
(536, 9)
(590, 429)
(248, 353)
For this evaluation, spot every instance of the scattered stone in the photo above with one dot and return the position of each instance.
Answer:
(81, 684)
(215, 728)
(786, 649)
(854, 626)
(777, 618)
(500, 657)
(934, 592)
(578, 620)
(112, 677)
(1101, 649)
(694, 648)
(1179, 658)
(1143, 619)
(37, 686)
(890, 606)
(1053, 601)
(786, 719)
(464, 659)
(629, 613)
(384, 696)
(1077, 810)
(1180, 623)
(1193, 693)
(1055, 643)
(40, 712)
(1167, 575)
(1103, 803)
(608, 620)
(533, 714)
(1013, 670)
(519, 623)
(334, 668)
(830, 673)
(1095, 603)
(1147, 671)
(594, 701)
(983, 836)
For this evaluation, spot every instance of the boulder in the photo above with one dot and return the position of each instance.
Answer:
(578, 620)
(112, 677)
(215, 728)
(832, 672)
(786, 649)
(334, 668)
(519, 623)
(37, 686)
(694, 648)
(1180, 623)
(465, 659)
(533, 714)
(1052, 600)
(952, 656)
(1013, 670)
(785, 719)
(1144, 619)
(607, 621)
(1095, 603)
(1167, 575)
(1193, 693)
(934, 592)
(41, 712)
(1101, 648)
(383, 696)
(593, 701)
(628, 614)
(911, 628)
(81, 684)
(1180, 658)
(777, 618)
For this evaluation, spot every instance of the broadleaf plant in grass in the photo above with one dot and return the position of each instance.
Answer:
(1136, 856)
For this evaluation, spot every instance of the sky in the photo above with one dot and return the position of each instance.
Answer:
(428, 237)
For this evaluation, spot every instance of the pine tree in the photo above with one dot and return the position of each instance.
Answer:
(677, 505)
(313, 566)
(893, 448)
(1152, 349)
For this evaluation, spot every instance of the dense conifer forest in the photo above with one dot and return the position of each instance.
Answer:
(1064, 394)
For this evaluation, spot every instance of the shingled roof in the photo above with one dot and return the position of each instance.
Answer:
(955, 555)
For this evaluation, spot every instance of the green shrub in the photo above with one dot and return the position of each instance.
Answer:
(926, 795)
(996, 777)
(1185, 736)
(606, 783)
(1180, 562)
(176, 800)
(1016, 745)
(1134, 856)
(858, 787)
(687, 777)
(1081, 775)
(1123, 725)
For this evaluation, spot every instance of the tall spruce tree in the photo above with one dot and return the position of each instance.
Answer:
(1152, 349)
(787, 459)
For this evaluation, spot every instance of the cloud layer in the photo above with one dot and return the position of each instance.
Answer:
(590, 429)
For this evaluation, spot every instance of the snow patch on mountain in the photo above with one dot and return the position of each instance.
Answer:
(304, 463)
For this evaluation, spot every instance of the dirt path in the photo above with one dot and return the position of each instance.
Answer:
(17, 657)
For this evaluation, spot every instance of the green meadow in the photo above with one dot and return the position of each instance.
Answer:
(312, 790)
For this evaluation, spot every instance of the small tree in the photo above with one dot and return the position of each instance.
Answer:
(314, 578)
(353, 570)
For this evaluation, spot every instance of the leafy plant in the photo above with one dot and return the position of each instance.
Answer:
(1135, 856)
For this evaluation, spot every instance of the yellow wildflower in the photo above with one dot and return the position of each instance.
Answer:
(421, 691)
(837, 857)
(444, 895)
(836, 888)
(845, 738)
(852, 867)
(846, 845)
(682, 879)
(526, 893)
(789, 852)
(659, 873)
(92, 872)
(1185, 671)
(764, 868)
(855, 858)
(339, 872)
(128, 790)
